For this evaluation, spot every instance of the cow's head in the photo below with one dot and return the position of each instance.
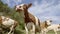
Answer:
(48, 22)
(59, 26)
(23, 7)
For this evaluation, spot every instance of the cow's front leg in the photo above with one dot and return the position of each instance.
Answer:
(33, 29)
(55, 31)
(26, 29)
(42, 32)
(11, 29)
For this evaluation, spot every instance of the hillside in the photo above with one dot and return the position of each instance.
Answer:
(10, 12)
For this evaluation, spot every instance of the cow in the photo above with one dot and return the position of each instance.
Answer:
(30, 20)
(8, 23)
(44, 25)
(54, 27)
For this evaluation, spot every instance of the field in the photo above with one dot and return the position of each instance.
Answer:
(51, 32)
(18, 30)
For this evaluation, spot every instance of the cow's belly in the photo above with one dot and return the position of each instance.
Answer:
(8, 23)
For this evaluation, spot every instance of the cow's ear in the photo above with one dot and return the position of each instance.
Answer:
(29, 5)
(45, 21)
(15, 6)
(25, 6)
(50, 20)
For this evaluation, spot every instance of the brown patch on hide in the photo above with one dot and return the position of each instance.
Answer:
(15, 24)
(38, 28)
(0, 19)
(59, 26)
(29, 17)
(46, 24)
(43, 25)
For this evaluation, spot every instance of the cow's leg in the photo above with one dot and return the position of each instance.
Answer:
(55, 31)
(42, 32)
(11, 29)
(12, 32)
(1, 31)
(45, 32)
(33, 29)
(26, 29)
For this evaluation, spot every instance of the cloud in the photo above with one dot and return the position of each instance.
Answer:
(43, 9)
(46, 9)
(12, 3)
(17, 1)
(55, 19)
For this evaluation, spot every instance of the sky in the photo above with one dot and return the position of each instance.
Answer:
(43, 9)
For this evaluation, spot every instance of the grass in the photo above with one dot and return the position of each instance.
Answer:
(51, 32)
(23, 32)
(20, 31)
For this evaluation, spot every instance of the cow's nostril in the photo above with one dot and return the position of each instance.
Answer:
(51, 21)
(18, 10)
(19, 6)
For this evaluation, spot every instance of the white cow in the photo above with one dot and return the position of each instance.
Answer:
(54, 27)
(8, 23)
(44, 26)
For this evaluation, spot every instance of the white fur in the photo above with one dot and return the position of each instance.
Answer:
(11, 28)
(20, 7)
(33, 29)
(53, 27)
(26, 29)
(36, 20)
(7, 22)
(21, 4)
(44, 30)
(48, 22)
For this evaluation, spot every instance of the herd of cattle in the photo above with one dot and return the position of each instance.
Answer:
(32, 23)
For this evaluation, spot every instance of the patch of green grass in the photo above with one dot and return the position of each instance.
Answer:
(51, 32)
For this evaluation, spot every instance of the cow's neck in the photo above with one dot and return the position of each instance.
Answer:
(0, 19)
(26, 13)
(27, 19)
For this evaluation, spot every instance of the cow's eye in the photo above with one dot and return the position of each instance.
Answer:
(51, 21)
(19, 6)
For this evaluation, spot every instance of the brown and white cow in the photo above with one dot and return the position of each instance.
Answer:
(8, 23)
(30, 20)
(54, 27)
(44, 26)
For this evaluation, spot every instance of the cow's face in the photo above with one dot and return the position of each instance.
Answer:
(59, 26)
(48, 22)
(23, 7)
